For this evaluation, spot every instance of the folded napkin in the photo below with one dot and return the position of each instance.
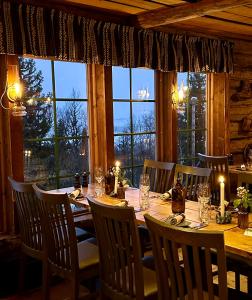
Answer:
(74, 194)
(166, 195)
(122, 203)
(175, 219)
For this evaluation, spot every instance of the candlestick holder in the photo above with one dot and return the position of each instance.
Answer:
(226, 219)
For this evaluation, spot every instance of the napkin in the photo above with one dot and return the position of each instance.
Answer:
(175, 219)
(166, 195)
(74, 194)
(122, 203)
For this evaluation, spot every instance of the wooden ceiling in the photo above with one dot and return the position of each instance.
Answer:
(230, 19)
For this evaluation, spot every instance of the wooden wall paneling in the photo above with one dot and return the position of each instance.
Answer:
(100, 107)
(166, 116)
(241, 100)
(218, 114)
(11, 153)
(16, 124)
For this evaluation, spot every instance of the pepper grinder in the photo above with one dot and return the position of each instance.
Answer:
(77, 181)
(84, 179)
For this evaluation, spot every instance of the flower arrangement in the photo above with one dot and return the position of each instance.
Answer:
(123, 180)
(245, 199)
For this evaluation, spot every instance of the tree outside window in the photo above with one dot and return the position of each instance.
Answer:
(192, 118)
(55, 128)
(134, 119)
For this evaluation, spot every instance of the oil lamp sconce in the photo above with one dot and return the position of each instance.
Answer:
(14, 93)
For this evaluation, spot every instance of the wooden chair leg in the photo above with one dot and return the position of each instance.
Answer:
(46, 276)
(21, 275)
(250, 283)
(74, 289)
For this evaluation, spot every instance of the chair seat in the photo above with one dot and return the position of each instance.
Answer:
(150, 282)
(88, 255)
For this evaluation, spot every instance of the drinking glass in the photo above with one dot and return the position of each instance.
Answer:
(203, 194)
(144, 187)
(99, 176)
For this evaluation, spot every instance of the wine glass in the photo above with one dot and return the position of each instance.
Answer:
(203, 193)
(99, 176)
(144, 188)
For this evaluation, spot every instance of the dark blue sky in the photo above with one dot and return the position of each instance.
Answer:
(69, 76)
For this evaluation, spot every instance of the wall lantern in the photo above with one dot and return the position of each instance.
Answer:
(14, 93)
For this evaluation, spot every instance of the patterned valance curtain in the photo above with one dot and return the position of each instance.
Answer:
(43, 32)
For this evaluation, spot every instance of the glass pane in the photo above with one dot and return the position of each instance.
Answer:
(200, 141)
(144, 148)
(72, 118)
(143, 84)
(143, 117)
(136, 175)
(48, 184)
(122, 146)
(66, 182)
(128, 175)
(121, 117)
(73, 156)
(39, 160)
(36, 76)
(70, 80)
(121, 83)
(38, 122)
(185, 144)
(192, 117)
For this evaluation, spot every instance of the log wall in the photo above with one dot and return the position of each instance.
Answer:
(240, 100)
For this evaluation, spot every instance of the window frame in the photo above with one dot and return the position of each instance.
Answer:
(133, 166)
(56, 138)
(188, 129)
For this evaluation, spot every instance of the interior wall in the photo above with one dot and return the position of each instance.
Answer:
(240, 100)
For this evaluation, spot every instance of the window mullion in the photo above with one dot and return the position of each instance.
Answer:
(56, 140)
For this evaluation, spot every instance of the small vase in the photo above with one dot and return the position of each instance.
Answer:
(243, 222)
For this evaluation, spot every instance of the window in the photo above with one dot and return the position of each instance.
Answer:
(191, 117)
(56, 127)
(134, 119)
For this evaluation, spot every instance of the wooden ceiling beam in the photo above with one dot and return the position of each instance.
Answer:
(164, 16)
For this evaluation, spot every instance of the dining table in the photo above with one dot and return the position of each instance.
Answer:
(235, 240)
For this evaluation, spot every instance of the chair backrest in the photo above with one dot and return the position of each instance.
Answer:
(191, 177)
(121, 271)
(219, 166)
(183, 261)
(161, 174)
(29, 212)
(60, 231)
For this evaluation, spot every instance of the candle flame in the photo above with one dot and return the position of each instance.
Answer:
(221, 179)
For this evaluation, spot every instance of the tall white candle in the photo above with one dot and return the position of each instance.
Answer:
(116, 173)
(222, 195)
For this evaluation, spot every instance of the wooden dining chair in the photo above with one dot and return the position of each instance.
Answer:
(161, 175)
(122, 274)
(194, 277)
(72, 261)
(190, 178)
(219, 166)
(29, 211)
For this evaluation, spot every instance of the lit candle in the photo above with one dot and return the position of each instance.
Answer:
(222, 193)
(116, 173)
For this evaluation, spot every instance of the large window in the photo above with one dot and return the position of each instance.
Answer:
(134, 119)
(55, 128)
(191, 117)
